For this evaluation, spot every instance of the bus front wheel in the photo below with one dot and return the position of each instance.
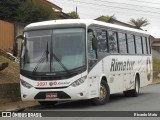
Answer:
(104, 94)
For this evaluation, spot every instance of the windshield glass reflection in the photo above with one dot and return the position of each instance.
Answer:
(55, 50)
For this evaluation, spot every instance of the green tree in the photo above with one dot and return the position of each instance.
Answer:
(9, 8)
(139, 22)
(29, 13)
(74, 15)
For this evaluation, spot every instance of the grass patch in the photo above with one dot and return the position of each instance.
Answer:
(11, 73)
(156, 64)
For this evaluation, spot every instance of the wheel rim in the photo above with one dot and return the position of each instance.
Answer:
(103, 93)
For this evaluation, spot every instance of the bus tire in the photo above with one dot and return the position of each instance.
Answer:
(134, 92)
(104, 94)
(47, 103)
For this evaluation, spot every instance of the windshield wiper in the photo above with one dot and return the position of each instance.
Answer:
(45, 57)
(42, 59)
(57, 59)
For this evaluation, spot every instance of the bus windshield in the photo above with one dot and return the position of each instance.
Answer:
(55, 50)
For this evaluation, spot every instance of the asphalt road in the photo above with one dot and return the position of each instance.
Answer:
(148, 100)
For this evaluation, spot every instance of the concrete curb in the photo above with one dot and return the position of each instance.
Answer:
(156, 82)
(21, 109)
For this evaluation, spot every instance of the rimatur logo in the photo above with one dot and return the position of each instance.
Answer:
(51, 83)
(6, 114)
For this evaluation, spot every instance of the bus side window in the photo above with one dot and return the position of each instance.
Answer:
(149, 46)
(131, 45)
(112, 42)
(122, 43)
(102, 41)
(138, 44)
(144, 45)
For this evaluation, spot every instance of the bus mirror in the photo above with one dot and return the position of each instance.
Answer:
(15, 47)
(94, 43)
(19, 37)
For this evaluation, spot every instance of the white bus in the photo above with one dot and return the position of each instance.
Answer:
(82, 59)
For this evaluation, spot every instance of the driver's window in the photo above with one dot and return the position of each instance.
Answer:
(91, 51)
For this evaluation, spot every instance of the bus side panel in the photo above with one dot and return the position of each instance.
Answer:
(94, 78)
(115, 73)
(146, 75)
(121, 71)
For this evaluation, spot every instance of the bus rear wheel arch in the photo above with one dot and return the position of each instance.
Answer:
(104, 94)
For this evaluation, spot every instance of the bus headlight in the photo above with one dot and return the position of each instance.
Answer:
(25, 84)
(78, 82)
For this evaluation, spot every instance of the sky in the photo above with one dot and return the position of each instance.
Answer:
(123, 10)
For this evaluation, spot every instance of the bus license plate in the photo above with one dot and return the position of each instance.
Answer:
(51, 95)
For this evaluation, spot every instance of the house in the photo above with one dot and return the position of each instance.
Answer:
(61, 15)
(48, 4)
(114, 21)
(154, 40)
(57, 11)
(155, 44)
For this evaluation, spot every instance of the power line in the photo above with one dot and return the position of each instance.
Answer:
(121, 13)
(146, 2)
(113, 6)
(68, 5)
(127, 4)
(138, 10)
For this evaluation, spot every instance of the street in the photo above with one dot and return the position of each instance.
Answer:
(148, 100)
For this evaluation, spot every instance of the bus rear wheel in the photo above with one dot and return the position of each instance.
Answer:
(134, 92)
(104, 94)
(47, 103)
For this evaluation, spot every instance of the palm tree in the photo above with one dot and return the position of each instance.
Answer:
(107, 18)
(140, 22)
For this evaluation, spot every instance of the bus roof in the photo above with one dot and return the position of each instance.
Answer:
(87, 22)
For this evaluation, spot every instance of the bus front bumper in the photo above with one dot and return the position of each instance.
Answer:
(69, 93)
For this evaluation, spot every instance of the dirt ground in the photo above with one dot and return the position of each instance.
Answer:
(16, 105)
